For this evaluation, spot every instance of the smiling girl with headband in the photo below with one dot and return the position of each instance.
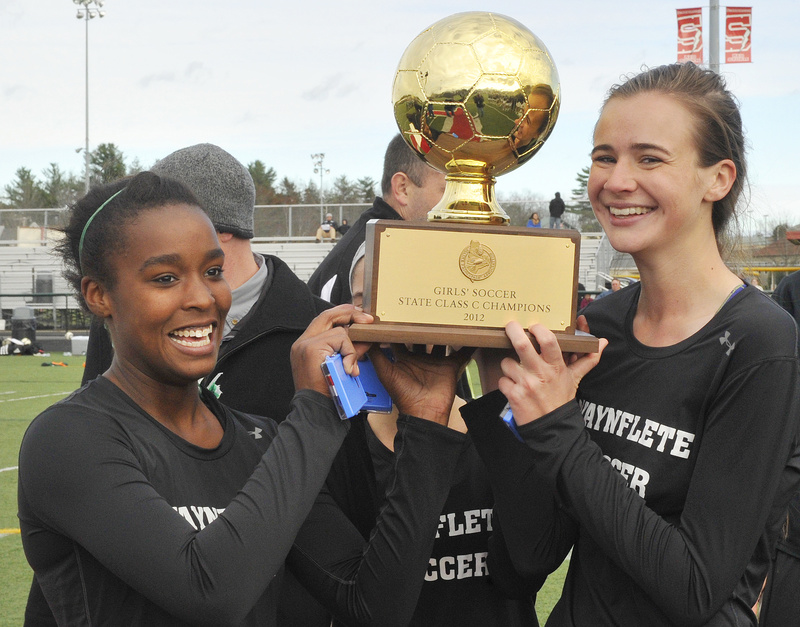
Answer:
(145, 501)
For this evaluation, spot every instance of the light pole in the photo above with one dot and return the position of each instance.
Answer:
(318, 169)
(88, 10)
(713, 38)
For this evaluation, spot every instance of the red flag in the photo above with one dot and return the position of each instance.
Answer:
(737, 34)
(690, 35)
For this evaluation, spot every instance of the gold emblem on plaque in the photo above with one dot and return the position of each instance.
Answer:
(477, 261)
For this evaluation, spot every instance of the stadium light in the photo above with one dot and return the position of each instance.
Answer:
(88, 10)
(319, 158)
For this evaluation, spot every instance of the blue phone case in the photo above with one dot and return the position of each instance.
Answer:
(378, 399)
(508, 418)
(354, 394)
(348, 395)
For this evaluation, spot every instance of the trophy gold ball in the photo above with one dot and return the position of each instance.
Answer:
(475, 95)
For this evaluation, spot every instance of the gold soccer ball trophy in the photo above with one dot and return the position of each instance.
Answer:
(475, 95)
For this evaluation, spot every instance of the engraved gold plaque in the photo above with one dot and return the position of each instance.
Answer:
(457, 285)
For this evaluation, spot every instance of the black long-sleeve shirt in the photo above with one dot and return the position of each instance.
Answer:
(468, 556)
(124, 522)
(671, 470)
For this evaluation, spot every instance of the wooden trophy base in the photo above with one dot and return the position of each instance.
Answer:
(393, 333)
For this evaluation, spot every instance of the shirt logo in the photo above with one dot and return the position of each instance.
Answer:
(214, 387)
(725, 340)
(256, 433)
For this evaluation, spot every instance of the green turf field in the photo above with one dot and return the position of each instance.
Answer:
(27, 388)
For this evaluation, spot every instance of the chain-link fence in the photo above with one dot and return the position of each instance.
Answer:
(30, 227)
(33, 227)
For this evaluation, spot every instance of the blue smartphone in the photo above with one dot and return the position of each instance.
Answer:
(378, 399)
(508, 417)
(354, 394)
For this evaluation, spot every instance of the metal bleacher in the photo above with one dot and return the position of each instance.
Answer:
(25, 269)
(301, 255)
(28, 270)
(587, 272)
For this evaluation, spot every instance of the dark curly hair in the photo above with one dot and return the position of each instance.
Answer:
(105, 236)
(718, 132)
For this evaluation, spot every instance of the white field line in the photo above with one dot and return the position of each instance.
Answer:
(29, 398)
(6, 532)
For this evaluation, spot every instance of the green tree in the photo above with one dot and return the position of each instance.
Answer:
(25, 192)
(344, 190)
(107, 164)
(135, 167)
(580, 207)
(310, 194)
(59, 188)
(580, 197)
(264, 179)
(366, 189)
(288, 194)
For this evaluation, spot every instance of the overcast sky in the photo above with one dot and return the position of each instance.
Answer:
(278, 81)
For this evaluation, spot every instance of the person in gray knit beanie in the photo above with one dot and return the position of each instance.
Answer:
(220, 182)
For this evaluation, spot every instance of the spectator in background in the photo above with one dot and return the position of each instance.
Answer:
(534, 221)
(787, 295)
(343, 227)
(583, 299)
(479, 103)
(327, 230)
(410, 189)
(615, 287)
(557, 209)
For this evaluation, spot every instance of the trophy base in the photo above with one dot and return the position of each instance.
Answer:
(469, 199)
(400, 333)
